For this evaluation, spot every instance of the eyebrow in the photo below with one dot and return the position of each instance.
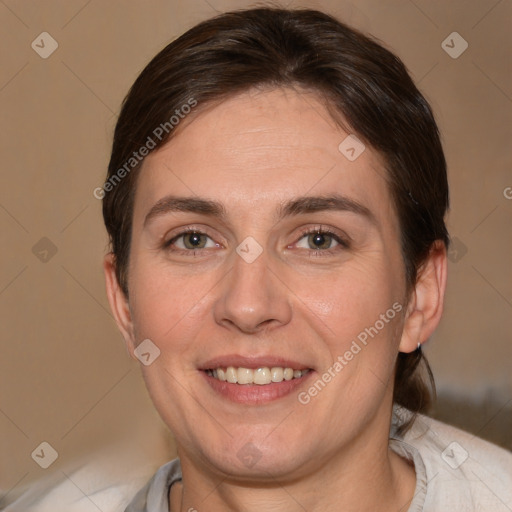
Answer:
(293, 207)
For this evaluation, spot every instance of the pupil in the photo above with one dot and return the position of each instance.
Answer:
(194, 239)
(319, 239)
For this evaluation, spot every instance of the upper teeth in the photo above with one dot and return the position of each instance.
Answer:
(262, 375)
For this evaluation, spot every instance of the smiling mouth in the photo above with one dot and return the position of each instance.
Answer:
(259, 376)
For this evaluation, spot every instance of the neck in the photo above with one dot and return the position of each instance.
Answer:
(363, 477)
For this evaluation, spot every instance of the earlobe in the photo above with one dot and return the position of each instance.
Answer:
(413, 331)
(118, 303)
(426, 304)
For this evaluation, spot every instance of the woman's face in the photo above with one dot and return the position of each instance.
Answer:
(257, 287)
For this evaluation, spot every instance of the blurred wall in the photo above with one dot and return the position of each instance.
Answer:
(65, 377)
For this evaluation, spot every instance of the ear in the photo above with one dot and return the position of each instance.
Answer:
(119, 303)
(426, 303)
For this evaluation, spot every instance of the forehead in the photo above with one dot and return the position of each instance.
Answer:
(259, 148)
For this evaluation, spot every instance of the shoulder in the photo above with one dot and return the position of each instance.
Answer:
(105, 481)
(76, 489)
(462, 471)
(154, 495)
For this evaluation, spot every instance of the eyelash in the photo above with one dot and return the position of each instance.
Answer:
(343, 243)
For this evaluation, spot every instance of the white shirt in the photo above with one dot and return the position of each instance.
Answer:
(455, 472)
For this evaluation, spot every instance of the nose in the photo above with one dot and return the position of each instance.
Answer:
(252, 297)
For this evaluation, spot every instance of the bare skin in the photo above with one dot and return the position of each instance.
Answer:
(303, 299)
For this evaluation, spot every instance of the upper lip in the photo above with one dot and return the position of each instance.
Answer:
(252, 362)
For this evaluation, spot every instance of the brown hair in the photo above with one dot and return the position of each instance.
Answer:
(362, 84)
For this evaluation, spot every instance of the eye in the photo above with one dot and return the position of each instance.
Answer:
(190, 240)
(321, 240)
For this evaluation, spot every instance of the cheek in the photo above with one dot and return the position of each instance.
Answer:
(166, 306)
(354, 296)
(357, 313)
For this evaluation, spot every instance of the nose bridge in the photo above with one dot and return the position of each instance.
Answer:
(252, 297)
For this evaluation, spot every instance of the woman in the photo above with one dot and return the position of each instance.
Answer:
(275, 202)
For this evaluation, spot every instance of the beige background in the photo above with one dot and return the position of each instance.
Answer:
(65, 377)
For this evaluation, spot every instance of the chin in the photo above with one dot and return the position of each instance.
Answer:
(253, 458)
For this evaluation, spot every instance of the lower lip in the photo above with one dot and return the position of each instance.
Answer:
(255, 394)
